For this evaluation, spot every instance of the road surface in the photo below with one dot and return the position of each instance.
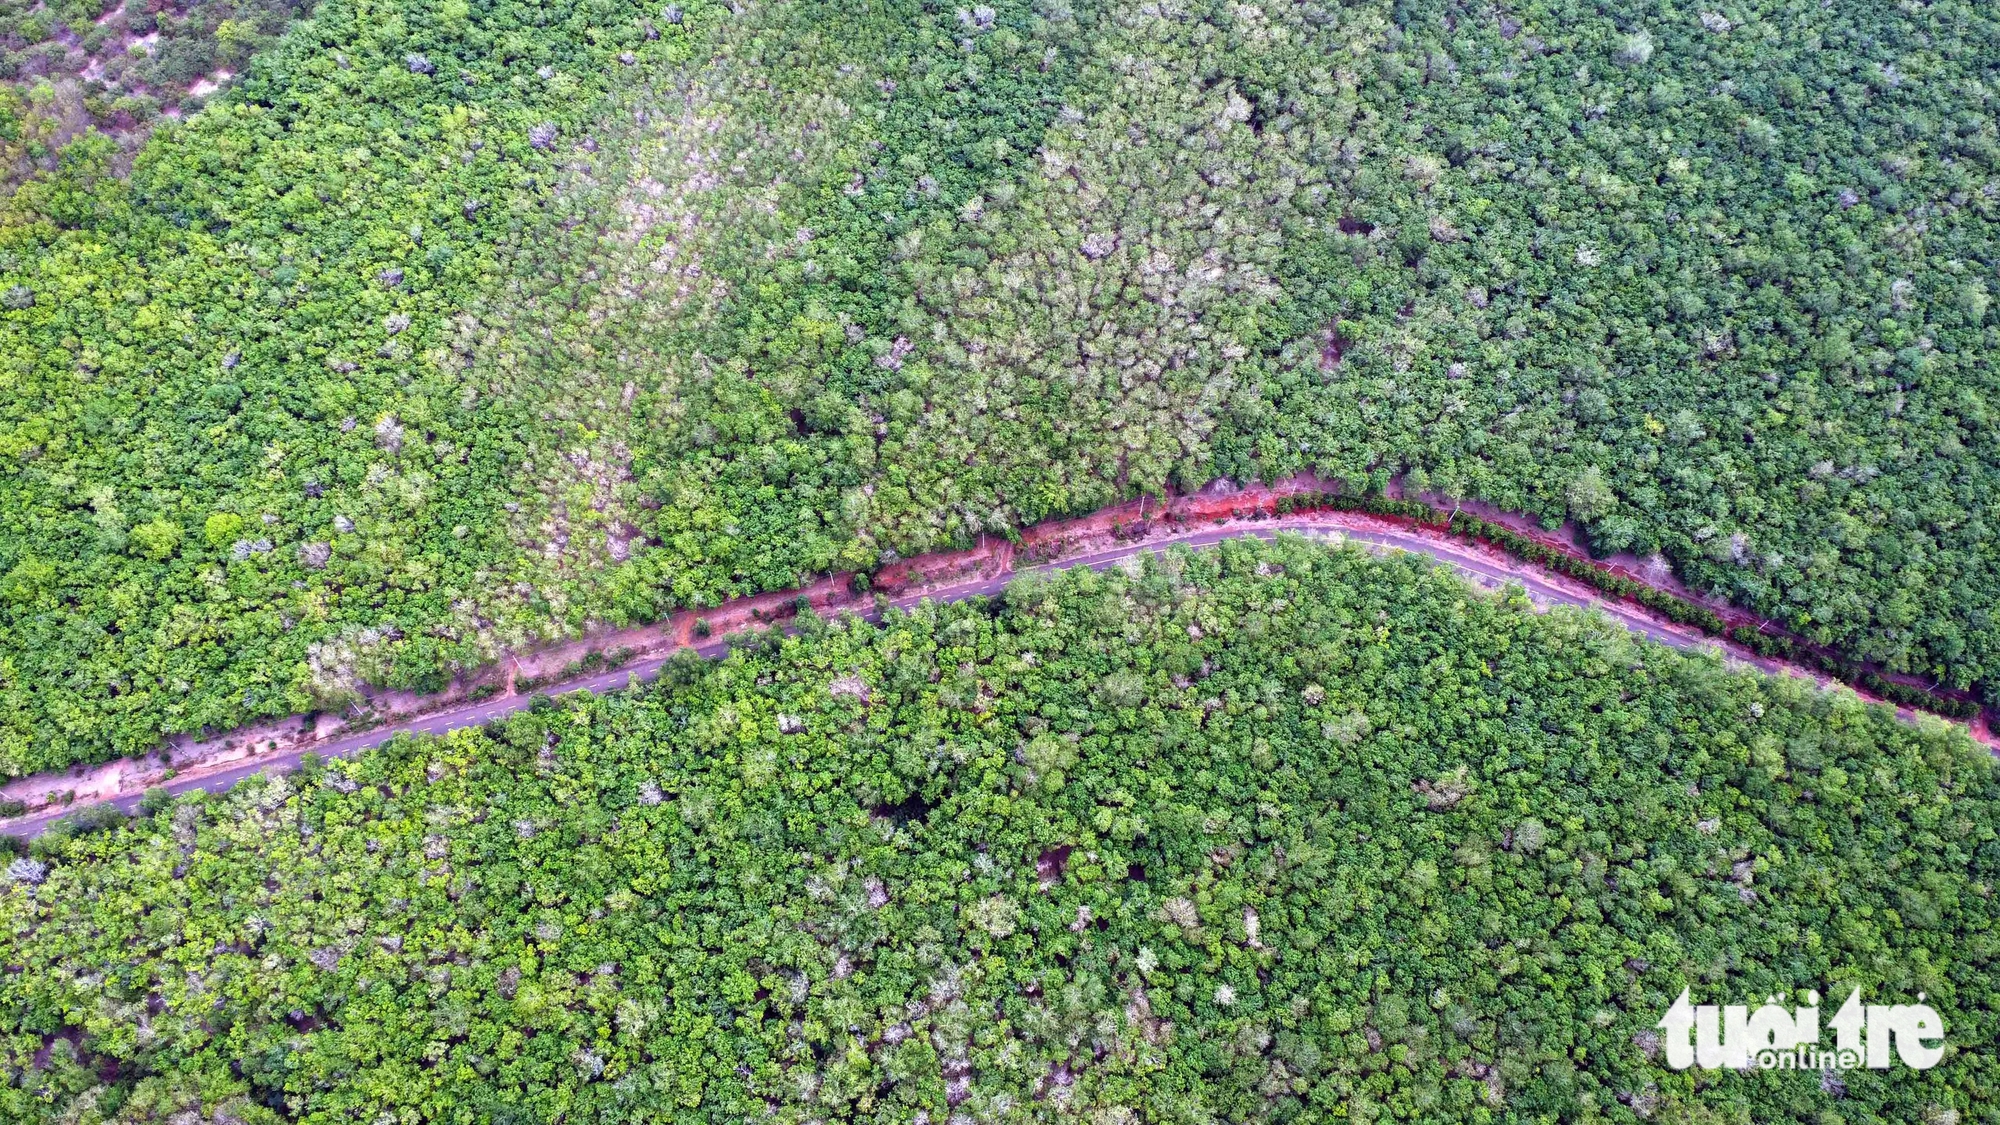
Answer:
(1465, 561)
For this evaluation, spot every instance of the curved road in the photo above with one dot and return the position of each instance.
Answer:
(1466, 562)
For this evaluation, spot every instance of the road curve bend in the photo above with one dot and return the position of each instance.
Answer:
(1469, 562)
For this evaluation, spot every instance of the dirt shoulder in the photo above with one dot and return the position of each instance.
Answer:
(609, 659)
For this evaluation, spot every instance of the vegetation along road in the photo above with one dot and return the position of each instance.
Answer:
(997, 572)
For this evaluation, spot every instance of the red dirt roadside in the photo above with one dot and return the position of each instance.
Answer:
(1100, 539)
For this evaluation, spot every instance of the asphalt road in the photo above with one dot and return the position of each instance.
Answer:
(491, 710)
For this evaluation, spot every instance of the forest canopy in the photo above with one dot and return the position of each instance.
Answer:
(1266, 833)
(453, 327)
(105, 71)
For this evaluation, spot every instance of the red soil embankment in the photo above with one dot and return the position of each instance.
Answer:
(1136, 523)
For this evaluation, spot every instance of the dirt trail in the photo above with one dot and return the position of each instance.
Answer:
(610, 659)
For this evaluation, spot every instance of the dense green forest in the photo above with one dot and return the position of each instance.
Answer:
(452, 326)
(1265, 833)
